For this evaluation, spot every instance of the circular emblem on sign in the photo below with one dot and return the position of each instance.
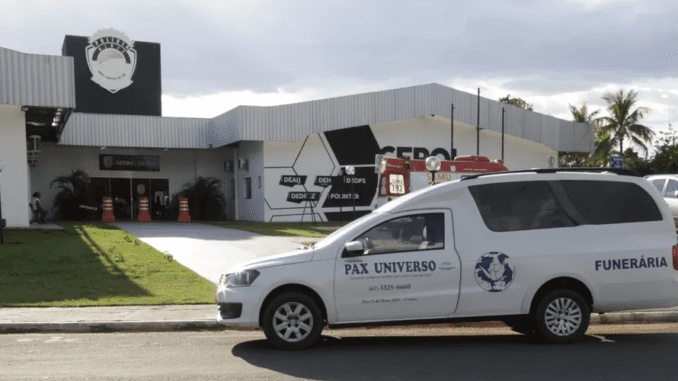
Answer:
(108, 162)
(111, 59)
(494, 271)
(551, 161)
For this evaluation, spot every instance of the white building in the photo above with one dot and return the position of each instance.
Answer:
(267, 157)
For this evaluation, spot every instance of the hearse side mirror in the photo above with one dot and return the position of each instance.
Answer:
(353, 249)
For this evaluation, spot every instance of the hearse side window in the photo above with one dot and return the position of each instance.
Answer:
(524, 205)
(611, 202)
(411, 233)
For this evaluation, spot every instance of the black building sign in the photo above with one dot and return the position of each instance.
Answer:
(290, 181)
(114, 75)
(299, 197)
(326, 181)
(129, 163)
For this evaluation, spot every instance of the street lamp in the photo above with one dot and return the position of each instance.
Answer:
(350, 171)
(433, 165)
(3, 223)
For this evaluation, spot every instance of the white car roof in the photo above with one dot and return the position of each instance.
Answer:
(438, 195)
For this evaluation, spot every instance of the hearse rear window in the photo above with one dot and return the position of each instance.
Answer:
(525, 205)
(533, 205)
(611, 202)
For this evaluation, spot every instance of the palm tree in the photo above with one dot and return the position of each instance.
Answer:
(623, 121)
(518, 102)
(582, 115)
(206, 202)
(73, 191)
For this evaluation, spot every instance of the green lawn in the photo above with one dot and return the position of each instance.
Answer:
(92, 264)
(290, 229)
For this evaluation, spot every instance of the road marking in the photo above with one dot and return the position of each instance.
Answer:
(602, 339)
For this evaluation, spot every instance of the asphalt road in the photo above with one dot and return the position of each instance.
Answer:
(618, 352)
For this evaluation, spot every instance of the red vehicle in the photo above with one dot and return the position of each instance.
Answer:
(400, 176)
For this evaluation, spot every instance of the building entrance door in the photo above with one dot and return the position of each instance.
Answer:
(121, 190)
(127, 192)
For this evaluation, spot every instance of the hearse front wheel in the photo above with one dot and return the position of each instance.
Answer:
(562, 316)
(292, 321)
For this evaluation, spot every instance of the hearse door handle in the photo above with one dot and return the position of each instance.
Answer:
(447, 266)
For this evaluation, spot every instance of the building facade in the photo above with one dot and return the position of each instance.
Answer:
(96, 109)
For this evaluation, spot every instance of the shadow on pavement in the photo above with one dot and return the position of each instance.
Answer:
(500, 357)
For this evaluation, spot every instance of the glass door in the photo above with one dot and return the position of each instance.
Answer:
(121, 190)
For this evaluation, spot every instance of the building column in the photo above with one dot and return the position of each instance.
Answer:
(14, 178)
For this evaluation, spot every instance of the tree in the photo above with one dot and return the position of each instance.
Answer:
(623, 122)
(582, 115)
(518, 102)
(666, 157)
(73, 192)
(206, 202)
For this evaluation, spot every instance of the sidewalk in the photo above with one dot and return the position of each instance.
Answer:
(207, 250)
(188, 317)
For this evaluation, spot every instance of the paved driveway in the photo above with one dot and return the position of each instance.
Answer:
(209, 250)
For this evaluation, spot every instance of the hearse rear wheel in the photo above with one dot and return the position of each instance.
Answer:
(292, 321)
(562, 316)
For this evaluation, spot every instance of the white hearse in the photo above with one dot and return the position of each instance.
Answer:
(537, 249)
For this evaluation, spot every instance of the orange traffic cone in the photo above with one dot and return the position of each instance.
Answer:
(144, 216)
(183, 211)
(107, 215)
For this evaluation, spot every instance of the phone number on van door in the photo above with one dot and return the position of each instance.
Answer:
(390, 287)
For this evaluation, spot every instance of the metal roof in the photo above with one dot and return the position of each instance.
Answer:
(295, 121)
(36, 80)
(109, 130)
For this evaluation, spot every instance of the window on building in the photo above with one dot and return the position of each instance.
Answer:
(248, 187)
(232, 192)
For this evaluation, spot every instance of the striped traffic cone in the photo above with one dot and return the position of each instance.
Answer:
(107, 215)
(144, 216)
(183, 211)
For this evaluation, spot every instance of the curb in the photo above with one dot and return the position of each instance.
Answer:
(93, 327)
(176, 325)
(635, 318)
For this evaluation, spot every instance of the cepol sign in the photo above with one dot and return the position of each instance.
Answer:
(616, 161)
(112, 59)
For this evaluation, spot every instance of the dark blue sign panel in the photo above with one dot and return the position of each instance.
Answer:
(616, 161)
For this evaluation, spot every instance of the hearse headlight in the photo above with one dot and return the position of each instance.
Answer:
(240, 279)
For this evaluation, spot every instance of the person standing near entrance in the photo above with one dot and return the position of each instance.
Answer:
(39, 212)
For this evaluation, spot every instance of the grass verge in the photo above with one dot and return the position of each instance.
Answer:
(92, 264)
(288, 229)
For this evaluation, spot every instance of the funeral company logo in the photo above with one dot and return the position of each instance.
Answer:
(494, 271)
(112, 59)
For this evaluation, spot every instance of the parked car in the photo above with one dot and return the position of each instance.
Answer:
(539, 250)
(667, 185)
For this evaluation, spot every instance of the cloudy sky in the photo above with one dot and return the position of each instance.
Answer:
(218, 55)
